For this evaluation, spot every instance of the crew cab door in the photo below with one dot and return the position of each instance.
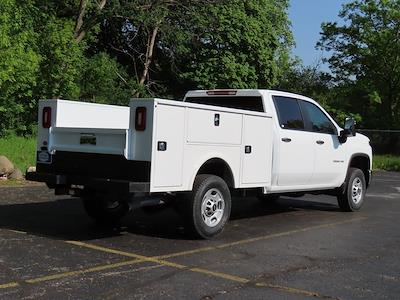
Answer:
(329, 152)
(295, 152)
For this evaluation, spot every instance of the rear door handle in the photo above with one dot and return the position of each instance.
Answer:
(286, 140)
(320, 142)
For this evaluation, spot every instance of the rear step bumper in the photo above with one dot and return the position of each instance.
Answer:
(53, 180)
(50, 179)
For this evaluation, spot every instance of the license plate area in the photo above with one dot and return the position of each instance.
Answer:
(44, 157)
(88, 139)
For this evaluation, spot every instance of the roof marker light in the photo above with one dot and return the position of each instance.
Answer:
(222, 93)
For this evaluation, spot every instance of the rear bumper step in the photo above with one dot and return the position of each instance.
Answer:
(101, 183)
(50, 179)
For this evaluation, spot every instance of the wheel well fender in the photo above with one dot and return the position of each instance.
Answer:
(219, 167)
(362, 162)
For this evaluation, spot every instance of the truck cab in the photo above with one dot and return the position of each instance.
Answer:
(309, 149)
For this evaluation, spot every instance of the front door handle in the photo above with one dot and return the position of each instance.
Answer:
(320, 142)
(286, 140)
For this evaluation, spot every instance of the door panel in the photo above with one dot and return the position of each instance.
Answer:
(296, 157)
(296, 146)
(329, 160)
(329, 152)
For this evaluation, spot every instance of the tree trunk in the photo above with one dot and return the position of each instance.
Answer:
(79, 20)
(102, 4)
(80, 30)
(149, 57)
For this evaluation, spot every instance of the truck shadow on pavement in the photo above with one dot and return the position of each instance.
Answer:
(27, 210)
(66, 219)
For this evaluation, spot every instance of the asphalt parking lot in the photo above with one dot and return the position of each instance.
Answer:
(303, 248)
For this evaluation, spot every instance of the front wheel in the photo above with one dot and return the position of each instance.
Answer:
(105, 208)
(353, 196)
(208, 206)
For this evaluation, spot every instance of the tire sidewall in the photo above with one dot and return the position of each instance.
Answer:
(353, 175)
(206, 183)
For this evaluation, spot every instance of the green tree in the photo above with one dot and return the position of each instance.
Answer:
(19, 63)
(173, 46)
(136, 33)
(309, 81)
(366, 58)
(232, 44)
(105, 81)
(320, 86)
(107, 51)
(38, 59)
(62, 59)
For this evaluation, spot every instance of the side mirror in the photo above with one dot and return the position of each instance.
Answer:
(348, 131)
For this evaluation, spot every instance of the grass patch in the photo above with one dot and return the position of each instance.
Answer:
(20, 151)
(386, 162)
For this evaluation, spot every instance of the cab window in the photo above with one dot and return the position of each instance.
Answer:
(253, 103)
(289, 113)
(319, 122)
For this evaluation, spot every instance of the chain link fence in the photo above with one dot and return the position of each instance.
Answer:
(383, 141)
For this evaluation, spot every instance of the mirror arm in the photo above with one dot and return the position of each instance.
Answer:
(342, 137)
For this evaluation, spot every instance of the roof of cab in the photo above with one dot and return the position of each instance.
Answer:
(241, 92)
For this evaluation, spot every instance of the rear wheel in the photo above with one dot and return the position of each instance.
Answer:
(105, 208)
(208, 207)
(353, 196)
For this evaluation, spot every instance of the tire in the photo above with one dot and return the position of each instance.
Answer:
(353, 195)
(208, 207)
(105, 208)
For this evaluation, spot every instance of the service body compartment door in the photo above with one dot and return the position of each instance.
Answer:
(257, 151)
(214, 127)
(167, 162)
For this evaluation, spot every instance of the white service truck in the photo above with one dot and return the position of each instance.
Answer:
(199, 151)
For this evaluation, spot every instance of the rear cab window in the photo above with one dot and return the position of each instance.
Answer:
(252, 103)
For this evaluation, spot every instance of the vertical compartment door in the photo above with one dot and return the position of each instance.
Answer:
(168, 147)
(257, 151)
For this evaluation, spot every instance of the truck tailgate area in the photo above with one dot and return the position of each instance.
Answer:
(88, 140)
(83, 127)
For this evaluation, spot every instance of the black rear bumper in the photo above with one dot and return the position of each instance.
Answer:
(122, 186)
(100, 171)
(50, 179)
(96, 165)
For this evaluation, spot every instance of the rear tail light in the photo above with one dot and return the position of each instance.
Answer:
(46, 117)
(140, 119)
